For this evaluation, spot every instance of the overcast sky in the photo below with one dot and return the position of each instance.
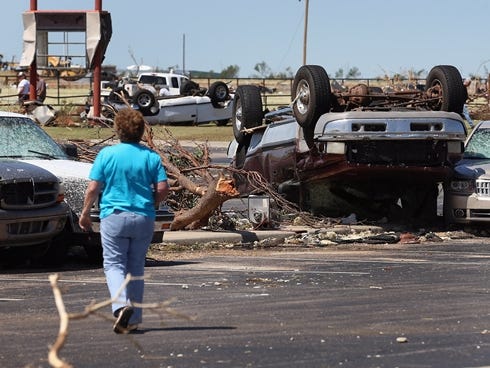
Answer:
(376, 36)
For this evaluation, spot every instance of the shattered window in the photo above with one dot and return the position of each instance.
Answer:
(175, 82)
(21, 138)
(479, 145)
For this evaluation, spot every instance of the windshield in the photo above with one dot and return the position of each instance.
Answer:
(478, 145)
(21, 138)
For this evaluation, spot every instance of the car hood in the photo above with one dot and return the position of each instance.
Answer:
(64, 168)
(473, 169)
(73, 175)
(15, 170)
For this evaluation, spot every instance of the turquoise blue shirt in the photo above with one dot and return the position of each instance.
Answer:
(128, 173)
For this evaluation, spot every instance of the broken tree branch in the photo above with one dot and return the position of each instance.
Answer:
(53, 355)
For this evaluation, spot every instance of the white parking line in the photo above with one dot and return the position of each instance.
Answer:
(148, 281)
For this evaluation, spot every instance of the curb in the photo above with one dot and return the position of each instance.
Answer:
(186, 237)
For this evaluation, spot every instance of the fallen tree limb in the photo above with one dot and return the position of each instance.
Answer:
(53, 354)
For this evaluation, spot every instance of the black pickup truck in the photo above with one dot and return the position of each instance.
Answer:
(32, 210)
(21, 139)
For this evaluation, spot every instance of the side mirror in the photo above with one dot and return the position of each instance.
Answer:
(70, 149)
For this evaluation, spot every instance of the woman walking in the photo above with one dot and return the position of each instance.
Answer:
(131, 182)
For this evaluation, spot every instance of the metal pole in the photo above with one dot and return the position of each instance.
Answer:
(305, 38)
(183, 54)
(33, 66)
(97, 71)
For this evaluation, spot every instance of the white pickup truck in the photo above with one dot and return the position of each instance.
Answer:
(168, 98)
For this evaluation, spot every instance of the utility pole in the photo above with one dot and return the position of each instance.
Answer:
(183, 54)
(305, 37)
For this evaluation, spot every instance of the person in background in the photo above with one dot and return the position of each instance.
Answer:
(132, 182)
(466, 111)
(40, 88)
(23, 87)
(164, 91)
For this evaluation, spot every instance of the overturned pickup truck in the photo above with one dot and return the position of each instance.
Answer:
(364, 152)
(184, 102)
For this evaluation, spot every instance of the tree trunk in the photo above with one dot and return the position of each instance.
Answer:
(218, 191)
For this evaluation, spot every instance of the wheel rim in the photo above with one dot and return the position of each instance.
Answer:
(238, 115)
(221, 92)
(144, 100)
(303, 97)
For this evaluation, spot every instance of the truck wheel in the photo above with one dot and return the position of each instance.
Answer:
(445, 84)
(247, 111)
(218, 92)
(144, 99)
(55, 253)
(94, 253)
(311, 95)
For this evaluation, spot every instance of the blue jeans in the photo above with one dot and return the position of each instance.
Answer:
(466, 114)
(125, 239)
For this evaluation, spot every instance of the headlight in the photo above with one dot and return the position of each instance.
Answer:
(462, 186)
(61, 192)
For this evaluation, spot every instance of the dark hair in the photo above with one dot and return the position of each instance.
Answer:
(129, 125)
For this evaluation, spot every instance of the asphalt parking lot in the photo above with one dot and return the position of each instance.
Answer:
(418, 305)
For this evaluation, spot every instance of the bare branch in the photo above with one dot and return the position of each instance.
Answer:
(53, 355)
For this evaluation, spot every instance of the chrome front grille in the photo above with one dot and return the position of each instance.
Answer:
(28, 227)
(483, 188)
(28, 194)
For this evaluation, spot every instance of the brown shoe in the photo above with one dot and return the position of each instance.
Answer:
(122, 321)
(132, 328)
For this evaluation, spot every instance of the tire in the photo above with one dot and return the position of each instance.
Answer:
(56, 252)
(311, 95)
(247, 111)
(94, 253)
(219, 93)
(445, 82)
(144, 99)
(188, 88)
